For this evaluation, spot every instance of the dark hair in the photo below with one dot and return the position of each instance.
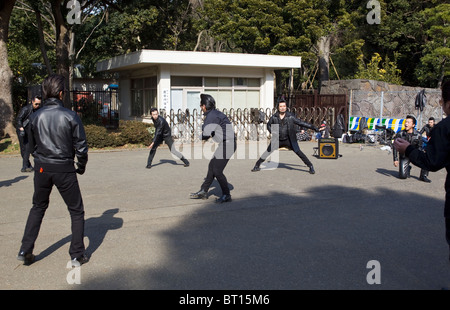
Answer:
(38, 97)
(52, 86)
(278, 103)
(431, 118)
(411, 117)
(153, 110)
(446, 91)
(208, 101)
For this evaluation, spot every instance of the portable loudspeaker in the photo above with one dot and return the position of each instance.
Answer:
(328, 148)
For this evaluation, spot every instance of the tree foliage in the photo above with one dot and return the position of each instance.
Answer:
(412, 37)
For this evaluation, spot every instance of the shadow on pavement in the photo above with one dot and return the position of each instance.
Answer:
(319, 239)
(11, 182)
(96, 229)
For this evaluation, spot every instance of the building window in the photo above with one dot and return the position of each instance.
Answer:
(143, 96)
(229, 92)
(187, 81)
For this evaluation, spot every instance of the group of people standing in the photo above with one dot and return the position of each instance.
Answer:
(56, 136)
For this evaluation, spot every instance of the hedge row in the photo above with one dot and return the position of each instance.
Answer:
(129, 132)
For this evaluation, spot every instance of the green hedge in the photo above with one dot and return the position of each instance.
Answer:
(129, 132)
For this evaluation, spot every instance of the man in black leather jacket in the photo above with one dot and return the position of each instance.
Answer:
(286, 135)
(437, 155)
(22, 123)
(428, 128)
(56, 137)
(217, 126)
(411, 135)
(162, 133)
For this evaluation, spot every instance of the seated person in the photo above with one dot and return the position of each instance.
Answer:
(324, 131)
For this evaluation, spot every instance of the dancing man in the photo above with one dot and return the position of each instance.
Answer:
(162, 133)
(218, 127)
(285, 130)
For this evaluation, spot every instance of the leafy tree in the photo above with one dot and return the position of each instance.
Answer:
(247, 26)
(402, 30)
(435, 63)
(388, 72)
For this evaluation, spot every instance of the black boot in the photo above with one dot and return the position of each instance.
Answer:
(256, 168)
(424, 176)
(311, 170)
(199, 195)
(185, 161)
(224, 198)
(258, 163)
(26, 258)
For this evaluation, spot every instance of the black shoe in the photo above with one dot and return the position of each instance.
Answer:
(186, 163)
(256, 168)
(224, 198)
(23, 170)
(425, 179)
(26, 258)
(311, 170)
(148, 166)
(199, 195)
(77, 262)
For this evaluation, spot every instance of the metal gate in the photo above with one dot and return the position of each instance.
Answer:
(248, 124)
(97, 106)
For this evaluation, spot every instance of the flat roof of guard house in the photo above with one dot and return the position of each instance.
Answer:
(142, 58)
(166, 64)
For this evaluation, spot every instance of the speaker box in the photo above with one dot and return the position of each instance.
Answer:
(328, 148)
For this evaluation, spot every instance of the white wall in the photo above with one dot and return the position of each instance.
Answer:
(164, 86)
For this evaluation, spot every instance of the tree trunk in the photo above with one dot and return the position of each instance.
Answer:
(42, 42)
(324, 59)
(6, 106)
(62, 48)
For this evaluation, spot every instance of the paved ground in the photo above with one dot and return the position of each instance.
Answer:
(284, 229)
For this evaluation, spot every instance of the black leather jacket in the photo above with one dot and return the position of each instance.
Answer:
(56, 136)
(427, 130)
(292, 133)
(23, 115)
(162, 129)
(436, 157)
(218, 126)
(415, 138)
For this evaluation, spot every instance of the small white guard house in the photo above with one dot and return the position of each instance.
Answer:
(175, 79)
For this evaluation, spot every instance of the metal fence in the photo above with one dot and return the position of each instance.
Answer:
(248, 124)
(97, 106)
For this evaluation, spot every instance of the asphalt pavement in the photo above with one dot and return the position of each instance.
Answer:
(354, 225)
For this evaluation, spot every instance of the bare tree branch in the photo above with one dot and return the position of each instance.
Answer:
(93, 30)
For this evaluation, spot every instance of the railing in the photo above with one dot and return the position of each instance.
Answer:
(248, 124)
(97, 106)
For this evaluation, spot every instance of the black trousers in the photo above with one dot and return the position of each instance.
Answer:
(283, 143)
(404, 167)
(217, 164)
(67, 185)
(169, 142)
(447, 230)
(24, 152)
